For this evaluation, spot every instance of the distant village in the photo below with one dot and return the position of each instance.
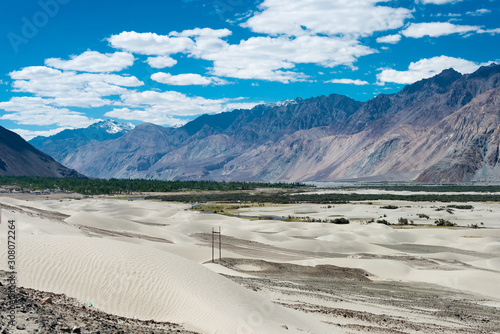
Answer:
(13, 189)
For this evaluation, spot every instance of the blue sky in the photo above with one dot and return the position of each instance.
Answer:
(69, 63)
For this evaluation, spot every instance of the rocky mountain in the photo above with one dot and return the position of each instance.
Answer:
(60, 145)
(429, 131)
(18, 158)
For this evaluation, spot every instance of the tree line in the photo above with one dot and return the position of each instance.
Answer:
(127, 186)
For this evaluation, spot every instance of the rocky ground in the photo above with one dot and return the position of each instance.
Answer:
(44, 312)
(350, 299)
(359, 303)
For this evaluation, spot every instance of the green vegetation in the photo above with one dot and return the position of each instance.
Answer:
(285, 198)
(115, 186)
(404, 221)
(341, 221)
(390, 207)
(423, 215)
(418, 187)
(444, 222)
(461, 207)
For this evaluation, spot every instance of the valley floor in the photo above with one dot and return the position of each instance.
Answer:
(145, 266)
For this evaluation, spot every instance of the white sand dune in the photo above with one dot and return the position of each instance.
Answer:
(141, 281)
(135, 281)
(142, 258)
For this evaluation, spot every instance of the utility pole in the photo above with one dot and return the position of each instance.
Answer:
(213, 244)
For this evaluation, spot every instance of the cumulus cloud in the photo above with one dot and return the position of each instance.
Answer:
(389, 39)
(68, 88)
(340, 17)
(154, 44)
(426, 68)
(166, 108)
(356, 82)
(436, 29)
(150, 43)
(173, 103)
(145, 115)
(38, 111)
(273, 59)
(161, 61)
(93, 61)
(187, 79)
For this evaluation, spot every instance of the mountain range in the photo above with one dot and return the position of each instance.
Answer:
(65, 142)
(17, 157)
(442, 129)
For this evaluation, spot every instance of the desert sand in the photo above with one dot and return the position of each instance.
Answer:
(151, 260)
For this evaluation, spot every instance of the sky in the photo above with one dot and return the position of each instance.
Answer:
(69, 63)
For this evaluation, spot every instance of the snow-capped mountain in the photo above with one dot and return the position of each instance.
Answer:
(60, 145)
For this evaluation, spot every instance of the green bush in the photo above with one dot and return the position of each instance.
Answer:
(340, 221)
(403, 221)
(444, 222)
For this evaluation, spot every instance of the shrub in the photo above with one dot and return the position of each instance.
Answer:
(340, 221)
(444, 222)
(383, 221)
(402, 221)
(462, 207)
(423, 215)
(391, 207)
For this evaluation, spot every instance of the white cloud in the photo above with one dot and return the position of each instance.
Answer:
(356, 82)
(390, 39)
(272, 59)
(93, 61)
(426, 68)
(187, 79)
(340, 17)
(29, 134)
(264, 58)
(479, 12)
(204, 32)
(438, 2)
(37, 111)
(490, 31)
(436, 29)
(150, 43)
(145, 115)
(163, 107)
(69, 88)
(161, 61)
(173, 103)
(241, 105)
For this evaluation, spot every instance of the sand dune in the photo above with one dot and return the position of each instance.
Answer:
(147, 259)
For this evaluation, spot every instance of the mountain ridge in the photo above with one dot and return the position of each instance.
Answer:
(62, 143)
(322, 138)
(19, 158)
